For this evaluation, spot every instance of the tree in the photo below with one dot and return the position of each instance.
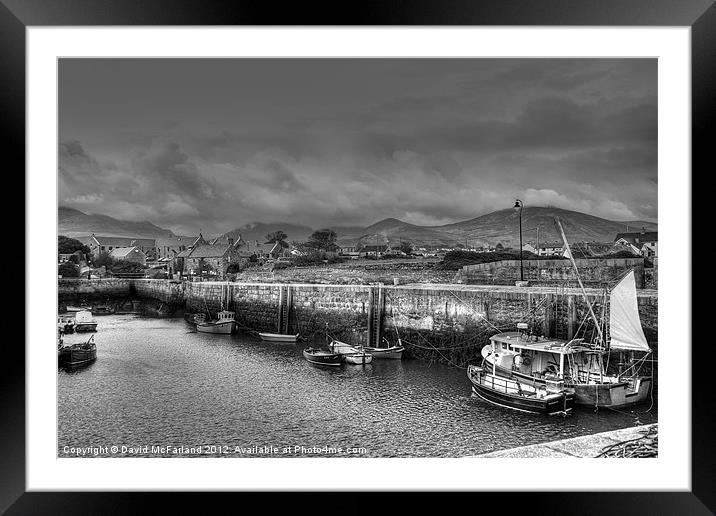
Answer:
(277, 236)
(68, 270)
(103, 259)
(67, 245)
(323, 240)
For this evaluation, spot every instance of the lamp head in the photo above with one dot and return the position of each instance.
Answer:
(518, 205)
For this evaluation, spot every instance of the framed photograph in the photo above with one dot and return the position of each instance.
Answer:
(412, 249)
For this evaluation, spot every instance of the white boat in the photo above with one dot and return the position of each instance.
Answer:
(278, 337)
(361, 358)
(74, 308)
(336, 346)
(84, 321)
(223, 324)
(388, 352)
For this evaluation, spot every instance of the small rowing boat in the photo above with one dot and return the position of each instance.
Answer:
(394, 352)
(84, 321)
(78, 354)
(278, 337)
(322, 357)
(358, 358)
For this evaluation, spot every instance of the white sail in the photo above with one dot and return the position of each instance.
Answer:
(624, 326)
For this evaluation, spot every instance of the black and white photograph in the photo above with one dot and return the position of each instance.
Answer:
(357, 257)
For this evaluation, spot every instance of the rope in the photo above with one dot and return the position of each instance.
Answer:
(646, 445)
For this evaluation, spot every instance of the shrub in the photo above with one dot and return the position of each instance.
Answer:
(454, 260)
(68, 270)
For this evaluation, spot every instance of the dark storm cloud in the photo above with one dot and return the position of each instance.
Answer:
(219, 143)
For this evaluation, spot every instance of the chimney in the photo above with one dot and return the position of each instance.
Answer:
(231, 241)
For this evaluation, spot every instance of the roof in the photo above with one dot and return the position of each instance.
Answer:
(123, 252)
(638, 237)
(540, 345)
(209, 251)
(184, 254)
(124, 241)
(175, 241)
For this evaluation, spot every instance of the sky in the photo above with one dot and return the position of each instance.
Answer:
(215, 144)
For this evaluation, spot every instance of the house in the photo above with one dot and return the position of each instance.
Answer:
(129, 254)
(106, 244)
(168, 248)
(530, 248)
(214, 257)
(639, 240)
(373, 250)
(551, 249)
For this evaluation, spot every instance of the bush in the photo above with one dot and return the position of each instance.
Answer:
(68, 270)
(123, 266)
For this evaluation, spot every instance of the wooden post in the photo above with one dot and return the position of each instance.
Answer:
(548, 314)
(287, 315)
(371, 308)
(280, 309)
(571, 316)
(379, 318)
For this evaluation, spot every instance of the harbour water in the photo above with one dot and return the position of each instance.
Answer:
(159, 389)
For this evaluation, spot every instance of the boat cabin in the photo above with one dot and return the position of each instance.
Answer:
(225, 315)
(531, 355)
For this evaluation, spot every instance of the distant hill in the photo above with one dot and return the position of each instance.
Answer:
(74, 223)
(259, 230)
(503, 227)
(394, 231)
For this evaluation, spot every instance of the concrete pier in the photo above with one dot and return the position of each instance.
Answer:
(585, 446)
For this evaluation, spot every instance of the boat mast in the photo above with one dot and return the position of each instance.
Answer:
(579, 280)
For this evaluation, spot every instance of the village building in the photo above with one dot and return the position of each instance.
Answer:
(129, 254)
(373, 250)
(106, 244)
(645, 242)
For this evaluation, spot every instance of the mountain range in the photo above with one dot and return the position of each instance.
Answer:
(497, 227)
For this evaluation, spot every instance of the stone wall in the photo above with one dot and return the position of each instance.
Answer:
(94, 289)
(362, 272)
(593, 271)
(445, 323)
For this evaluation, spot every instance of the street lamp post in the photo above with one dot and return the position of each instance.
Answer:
(518, 209)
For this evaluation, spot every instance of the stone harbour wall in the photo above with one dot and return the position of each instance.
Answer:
(443, 323)
(593, 271)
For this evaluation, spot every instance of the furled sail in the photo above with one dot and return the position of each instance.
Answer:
(624, 326)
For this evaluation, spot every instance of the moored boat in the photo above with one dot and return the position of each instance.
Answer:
(223, 324)
(584, 367)
(78, 308)
(548, 398)
(278, 337)
(322, 357)
(77, 354)
(362, 358)
(388, 352)
(84, 321)
(105, 309)
(66, 323)
(342, 348)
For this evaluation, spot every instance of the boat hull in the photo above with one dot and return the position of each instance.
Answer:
(604, 395)
(358, 358)
(222, 328)
(561, 403)
(277, 337)
(392, 353)
(85, 327)
(613, 394)
(71, 356)
(323, 358)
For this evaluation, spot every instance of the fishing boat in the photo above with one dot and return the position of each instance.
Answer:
(78, 308)
(337, 346)
(584, 366)
(322, 357)
(278, 337)
(78, 354)
(361, 358)
(223, 324)
(66, 323)
(387, 352)
(84, 321)
(105, 309)
(551, 397)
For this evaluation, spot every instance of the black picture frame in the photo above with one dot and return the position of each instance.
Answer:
(700, 15)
